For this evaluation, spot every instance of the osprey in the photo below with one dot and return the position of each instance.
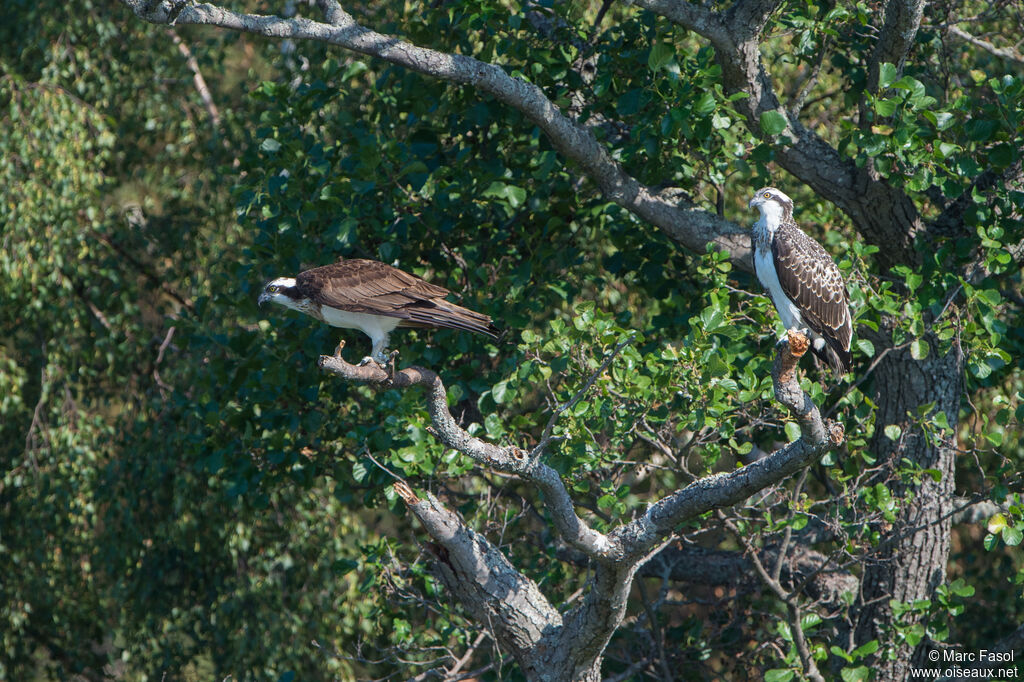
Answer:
(374, 298)
(802, 280)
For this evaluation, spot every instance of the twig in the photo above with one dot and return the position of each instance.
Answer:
(546, 438)
(789, 598)
(197, 78)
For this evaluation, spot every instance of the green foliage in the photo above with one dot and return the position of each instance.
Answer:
(185, 494)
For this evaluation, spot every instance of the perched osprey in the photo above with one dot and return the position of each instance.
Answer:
(802, 280)
(374, 298)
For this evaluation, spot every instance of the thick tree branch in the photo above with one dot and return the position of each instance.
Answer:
(899, 28)
(883, 214)
(721, 490)
(697, 18)
(716, 567)
(615, 557)
(687, 225)
(483, 580)
(509, 459)
(747, 18)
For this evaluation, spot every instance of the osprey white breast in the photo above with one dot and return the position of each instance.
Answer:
(801, 279)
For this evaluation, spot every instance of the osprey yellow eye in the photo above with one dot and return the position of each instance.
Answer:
(273, 288)
(767, 195)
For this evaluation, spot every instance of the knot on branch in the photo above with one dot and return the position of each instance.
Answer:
(787, 387)
(157, 11)
(406, 493)
(836, 432)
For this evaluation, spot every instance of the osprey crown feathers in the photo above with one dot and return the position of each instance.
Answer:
(802, 280)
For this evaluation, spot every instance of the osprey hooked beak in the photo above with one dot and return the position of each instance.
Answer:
(264, 297)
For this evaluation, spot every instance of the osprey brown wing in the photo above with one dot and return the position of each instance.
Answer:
(811, 279)
(365, 286)
(375, 288)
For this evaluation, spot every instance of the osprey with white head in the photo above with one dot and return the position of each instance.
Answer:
(374, 298)
(802, 280)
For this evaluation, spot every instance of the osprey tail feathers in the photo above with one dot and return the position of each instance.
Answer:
(450, 316)
(837, 357)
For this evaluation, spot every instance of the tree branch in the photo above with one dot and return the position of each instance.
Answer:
(483, 579)
(197, 79)
(721, 490)
(689, 226)
(899, 28)
(696, 565)
(510, 459)
(747, 18)
(1008, 54)
(616, 557)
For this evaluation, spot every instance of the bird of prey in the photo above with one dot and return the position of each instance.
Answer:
(802, 280)
(374, 298)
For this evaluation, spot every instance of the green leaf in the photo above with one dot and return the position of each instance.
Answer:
(778, 675)
(887, 73)
(712, 318)
(997, 523)
(866, 649)
(919, 349)
(857, 674)
(886, 107)
(270, 145)
(792, 431)
(866, 347)
(809, 620)
(499, 392)
(893, 432)
(705, 105)
(1012, 536)
(660, 55)
(772, 123)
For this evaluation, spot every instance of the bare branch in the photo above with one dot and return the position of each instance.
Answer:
(714, 567)
(789, 598)
(510, 459)
(687, 225)
(197, 78)
(1008, 54)
(697, 18)
(616, 557)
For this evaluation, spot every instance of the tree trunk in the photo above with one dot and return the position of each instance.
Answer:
(912, 561)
